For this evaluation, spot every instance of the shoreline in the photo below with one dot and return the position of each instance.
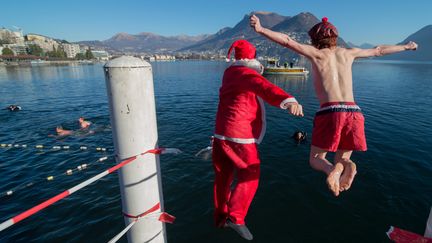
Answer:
(47, 63)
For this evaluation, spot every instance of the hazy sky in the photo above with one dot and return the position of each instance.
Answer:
(358, 21)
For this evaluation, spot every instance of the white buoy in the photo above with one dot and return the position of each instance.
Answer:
(130, 90)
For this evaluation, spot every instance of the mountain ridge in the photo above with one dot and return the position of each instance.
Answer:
(295, 26)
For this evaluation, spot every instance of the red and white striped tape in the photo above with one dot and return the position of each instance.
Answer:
(163, 217)
(403, 236)
(6, 224)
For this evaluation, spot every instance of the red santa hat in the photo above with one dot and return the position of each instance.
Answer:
(243, 50)
(323, 30)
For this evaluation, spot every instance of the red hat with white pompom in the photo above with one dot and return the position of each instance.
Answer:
(243, 50)
(323, 30)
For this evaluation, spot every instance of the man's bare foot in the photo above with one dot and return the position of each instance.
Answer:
(350, 170)
(333, 178)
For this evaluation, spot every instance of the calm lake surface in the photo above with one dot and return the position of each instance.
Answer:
(393, 185)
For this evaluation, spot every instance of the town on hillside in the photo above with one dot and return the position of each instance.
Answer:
(17, 49)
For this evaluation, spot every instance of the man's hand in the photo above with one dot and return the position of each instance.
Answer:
(411, 46)
(295, 109)
(255, 23)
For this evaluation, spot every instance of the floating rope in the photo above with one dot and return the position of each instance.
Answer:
(151, 213)
(6, 224)
(55, 147)
(51, 177)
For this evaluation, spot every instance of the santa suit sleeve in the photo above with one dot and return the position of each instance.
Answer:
(269, 92)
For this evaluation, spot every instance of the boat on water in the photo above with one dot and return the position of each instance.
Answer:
(273, 67)
(38, 62)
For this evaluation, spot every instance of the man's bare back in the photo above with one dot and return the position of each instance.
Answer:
(332, 75)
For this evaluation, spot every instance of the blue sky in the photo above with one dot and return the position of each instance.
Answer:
(359, 21)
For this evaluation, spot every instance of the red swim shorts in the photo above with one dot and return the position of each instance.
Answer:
(339, 126)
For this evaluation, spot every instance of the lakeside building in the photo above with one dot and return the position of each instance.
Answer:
(101, 55)
(12, 37)
(71, 50)
(46, 43)
(13, 40)
(16, 48)
(164, 57)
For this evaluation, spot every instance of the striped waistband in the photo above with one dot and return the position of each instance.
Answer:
(337, 103)
(338, 107)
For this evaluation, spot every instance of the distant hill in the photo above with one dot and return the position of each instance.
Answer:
(296, 27)
(223, 39)
(423, 38)
(145, 42)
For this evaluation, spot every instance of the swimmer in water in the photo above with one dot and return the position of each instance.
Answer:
(83, 123)
(14, 108)
(62, 132)
(299, 136)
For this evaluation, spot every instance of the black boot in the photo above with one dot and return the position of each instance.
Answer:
(241, 229)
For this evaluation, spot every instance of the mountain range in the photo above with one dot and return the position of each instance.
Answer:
(145, 42)
(423, 38)
(295, 26)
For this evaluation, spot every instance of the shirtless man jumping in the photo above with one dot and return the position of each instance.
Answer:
(339, 123)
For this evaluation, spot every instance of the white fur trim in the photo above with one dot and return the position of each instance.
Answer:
(263, 120)
(236, 140)
(250, 63)
(287, 100)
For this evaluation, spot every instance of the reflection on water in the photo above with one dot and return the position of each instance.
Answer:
(288, 82)
(44, 73)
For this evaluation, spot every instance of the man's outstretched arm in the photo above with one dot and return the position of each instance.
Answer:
(283, 39)
(382, 50)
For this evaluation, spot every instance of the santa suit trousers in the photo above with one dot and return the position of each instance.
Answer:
(234, 161)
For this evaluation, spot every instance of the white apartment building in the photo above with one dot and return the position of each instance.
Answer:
(71, 49)
(101, 55)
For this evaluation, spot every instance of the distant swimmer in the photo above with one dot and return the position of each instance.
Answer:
(339, 123)
(299, 136)
(62, 132)
(14, 108)
(83, 123)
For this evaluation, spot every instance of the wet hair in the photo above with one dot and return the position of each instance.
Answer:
(325, 43)
(324, 34)
(301, 138)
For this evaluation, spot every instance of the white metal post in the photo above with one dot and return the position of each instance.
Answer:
(129, 82)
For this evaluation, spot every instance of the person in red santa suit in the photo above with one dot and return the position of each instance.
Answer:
(240, 126)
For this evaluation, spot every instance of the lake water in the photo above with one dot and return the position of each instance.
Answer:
(393, 185)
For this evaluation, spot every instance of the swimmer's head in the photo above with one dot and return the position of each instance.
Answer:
(299, 136)
(59, 128)
(81, 119)
(324, 34)
(14, 108)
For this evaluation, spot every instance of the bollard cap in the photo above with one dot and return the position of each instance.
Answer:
(126, 62)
